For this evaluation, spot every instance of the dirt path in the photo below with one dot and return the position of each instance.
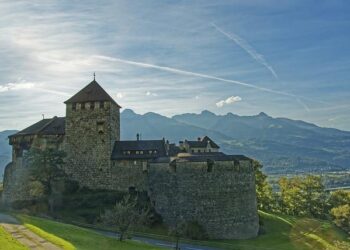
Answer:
(24, 235)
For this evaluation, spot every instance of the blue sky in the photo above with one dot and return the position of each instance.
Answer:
(285, 58)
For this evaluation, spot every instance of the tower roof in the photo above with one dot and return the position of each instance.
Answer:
(92, 92)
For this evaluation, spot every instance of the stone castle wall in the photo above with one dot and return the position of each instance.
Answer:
(223, 201)
(90, 135)
(17, 173)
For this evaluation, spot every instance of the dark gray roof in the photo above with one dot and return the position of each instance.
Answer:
(52, 126)
(120, 147)
(91, 93)
(219, 156)
(212, 156)
(202, 143)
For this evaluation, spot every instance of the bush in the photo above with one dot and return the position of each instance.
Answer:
(341, 217)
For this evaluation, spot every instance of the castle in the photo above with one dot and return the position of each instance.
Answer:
(193, 179)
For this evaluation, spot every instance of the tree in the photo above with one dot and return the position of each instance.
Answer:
(263, 189)
(46, 167)
(125, 215)
(303, 196)
(341, 217)
(338, 198)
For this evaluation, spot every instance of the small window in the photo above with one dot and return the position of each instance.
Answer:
(74, 106)
(209, 150)
(92, 105)
(102, 105)
(135, 162)
(192, 150)
(83, 106)
(210, 165)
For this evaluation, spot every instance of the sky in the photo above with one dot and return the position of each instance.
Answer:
(285, 58)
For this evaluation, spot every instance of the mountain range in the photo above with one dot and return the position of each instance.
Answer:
(282, 145)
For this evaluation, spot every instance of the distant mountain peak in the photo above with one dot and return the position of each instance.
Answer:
(207, 113)
(263, 114)
(129, 111)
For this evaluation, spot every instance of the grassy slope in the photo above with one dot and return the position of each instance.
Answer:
(289, 233)
(8, 242)
(82, 238)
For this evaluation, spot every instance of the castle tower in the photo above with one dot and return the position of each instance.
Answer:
(92, 126)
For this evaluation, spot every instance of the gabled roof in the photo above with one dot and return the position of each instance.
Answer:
(120, 147)
(52, 126)
(91, 93)
(202, 143)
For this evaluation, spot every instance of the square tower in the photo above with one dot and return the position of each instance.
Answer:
(92, 126)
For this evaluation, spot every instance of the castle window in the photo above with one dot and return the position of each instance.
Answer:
(210, 165)
(192, 150)
(137, 152)
(132, 190)
(141, 152)
(92, 106)
(102, 105)
(83, 106)
(150, 152)
(144, 167)
(74, 106)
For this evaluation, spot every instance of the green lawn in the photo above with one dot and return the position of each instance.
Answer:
(81, 238)
(280, 232)
(289, 233)
(8, 242)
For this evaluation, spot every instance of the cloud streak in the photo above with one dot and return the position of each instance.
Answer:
(16, 86)
(195, 74)
(229, 100)
(247, 48)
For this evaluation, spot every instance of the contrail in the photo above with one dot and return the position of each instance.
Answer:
(247, 48)
(189, 73)
(307, 109)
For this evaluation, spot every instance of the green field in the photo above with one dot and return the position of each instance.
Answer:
(80, 238)
(8, 242)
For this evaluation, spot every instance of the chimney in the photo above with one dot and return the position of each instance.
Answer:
(138, 136)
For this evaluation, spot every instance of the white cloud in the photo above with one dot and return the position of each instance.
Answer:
(230, 100)
(120, 95)
(16, 86)
(149, 93)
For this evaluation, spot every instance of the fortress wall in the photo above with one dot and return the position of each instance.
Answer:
(129, 174)
(16, 176)
(223, 200)
(16, 182)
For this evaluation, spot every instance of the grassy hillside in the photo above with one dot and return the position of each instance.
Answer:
(279, 232)
(289, 233)
(8, 242)
(80, 238)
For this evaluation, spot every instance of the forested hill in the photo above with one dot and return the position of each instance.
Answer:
(283, 145)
